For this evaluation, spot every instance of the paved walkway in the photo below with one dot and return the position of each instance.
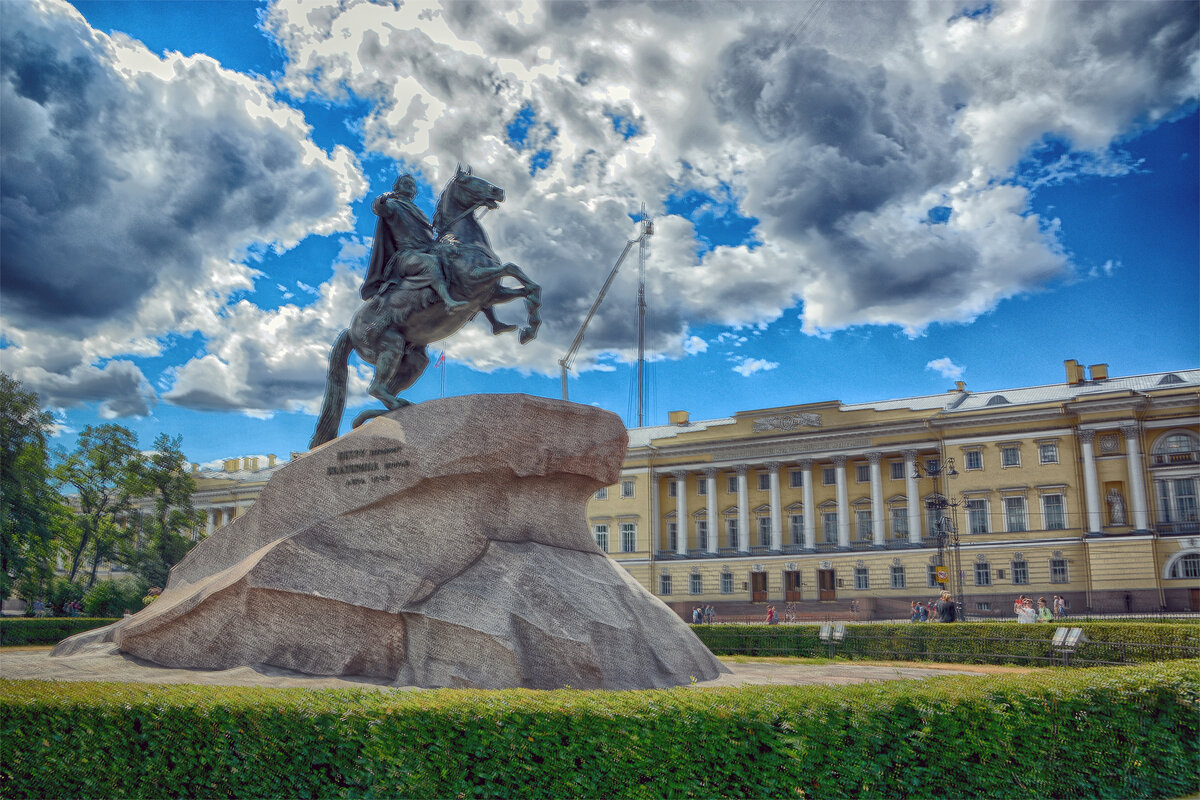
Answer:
(101, 664)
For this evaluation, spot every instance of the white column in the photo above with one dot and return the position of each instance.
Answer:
(710, 508)
(810, 511)
(912, 496)
(1091, 486)
(743, 510)
(210, 523)
(1137, 484)
(776, 510)
(655, 523)
(876, 498)
(843, 503)
(681, 513)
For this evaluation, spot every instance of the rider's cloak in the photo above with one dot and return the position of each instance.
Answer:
(397, 220)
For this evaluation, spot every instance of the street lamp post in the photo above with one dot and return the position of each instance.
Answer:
(945, 526)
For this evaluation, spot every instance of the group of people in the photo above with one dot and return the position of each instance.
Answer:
(702, 615)
(942, 611)
(1024, 609)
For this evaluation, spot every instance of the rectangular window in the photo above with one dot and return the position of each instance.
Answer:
(974, 459)
(702, 534)
(796, 523)
(627, 488)
(862, 524)
(828, 478)
(862, 579)
(933, 520)
(764, 531)
(897, 577)
(672, 488)
(726, 583)
(664, 584)
(1058, 570)
(672, 536)
(897, 468)
(764, 481)
(731, 482)
(1014, 515)
(1020, 572)
(983, 574)
(977, 516)
(1048, 452)
(602, 494)
(1176, 500)
(1053, 514)
(702, 486)
(899, 516)
(601, 534)
(931, 576)
(695, 584)
(1010, 456)
(829, 527)
(731, 532)
(628, 537)
(862, 473)
(796, 478)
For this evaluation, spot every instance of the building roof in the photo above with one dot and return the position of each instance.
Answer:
(641, 437)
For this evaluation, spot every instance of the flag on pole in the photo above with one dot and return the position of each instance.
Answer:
(441, 360)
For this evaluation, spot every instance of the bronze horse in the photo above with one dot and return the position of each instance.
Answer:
(391, 331)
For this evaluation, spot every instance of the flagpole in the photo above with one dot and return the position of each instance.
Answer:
(442, 361)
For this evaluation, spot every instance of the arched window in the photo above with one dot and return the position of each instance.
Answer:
(1178, 447)
(1187, 566)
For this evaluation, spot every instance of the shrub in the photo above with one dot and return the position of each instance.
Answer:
(46, 630)
(114, 598)
(1108, 732)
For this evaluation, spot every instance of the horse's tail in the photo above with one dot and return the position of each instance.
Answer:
(335, 392)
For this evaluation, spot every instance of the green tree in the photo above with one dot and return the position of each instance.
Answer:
(30, 508)
(164, 539)
(106, 472)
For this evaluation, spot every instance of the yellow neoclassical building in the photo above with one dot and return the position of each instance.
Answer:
(1085, 489)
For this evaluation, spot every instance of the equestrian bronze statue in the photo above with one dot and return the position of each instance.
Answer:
(421, 288)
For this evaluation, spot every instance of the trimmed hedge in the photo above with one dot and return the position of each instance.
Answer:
(46, 630)
(974, 643)
(1108, 732)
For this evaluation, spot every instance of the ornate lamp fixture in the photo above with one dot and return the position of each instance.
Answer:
(943, 516)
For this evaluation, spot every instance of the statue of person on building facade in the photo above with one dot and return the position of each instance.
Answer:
(1116, 507)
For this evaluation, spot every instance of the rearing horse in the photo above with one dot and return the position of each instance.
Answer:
(391, 330)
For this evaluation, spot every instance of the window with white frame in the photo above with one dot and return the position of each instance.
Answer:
(931, 576)
(1048, 452)
(672, 536)
(1058, 570)
(977, 515)
(628, 537)
(862, 578)
(973, 459)
(899, 515)
(731, 484)
(702, 486)
(1020, 573)
(702, 534)
(796, 478)
(672, 488)
(602, 494)
(983, 573)
(664, 583)
(828, 476)
(1054, 514)
(731, 531)
(1186, 566)
(1176, 500)
(726, 583)
(933, 517)
(1175, 448)
(627, 488)
(862, 473)
(600, 531)
(1010, 455)
(862, 523)
(896, 470)
(829, 526)
(695, 584)
(764, 531)
(796, 525)
(897, 576)
(764, 481)
(1015, 520)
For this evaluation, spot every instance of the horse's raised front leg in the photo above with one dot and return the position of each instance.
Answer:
(533, 302)
(498, 327)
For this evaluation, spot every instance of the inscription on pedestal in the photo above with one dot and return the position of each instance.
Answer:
(363, 461)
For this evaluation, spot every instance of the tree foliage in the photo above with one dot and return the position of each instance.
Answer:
(163, 537)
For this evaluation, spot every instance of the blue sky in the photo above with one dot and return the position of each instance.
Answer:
(872, 206)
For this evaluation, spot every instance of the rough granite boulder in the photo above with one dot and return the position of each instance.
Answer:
(443, 544)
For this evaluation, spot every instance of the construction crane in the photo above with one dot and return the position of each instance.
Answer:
(647, 230)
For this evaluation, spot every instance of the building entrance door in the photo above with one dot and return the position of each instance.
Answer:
(791, 586)
(1194, 599)
(827, 587)
(758, 587)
